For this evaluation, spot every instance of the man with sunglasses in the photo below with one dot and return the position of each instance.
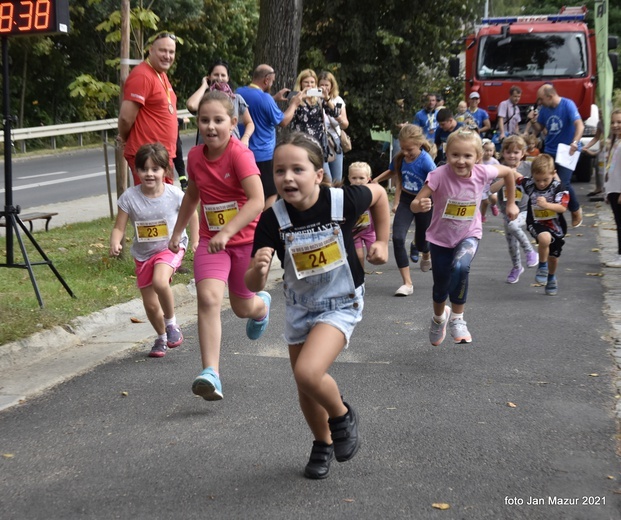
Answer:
(149, 109)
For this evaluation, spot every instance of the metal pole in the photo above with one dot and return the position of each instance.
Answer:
(8, 173)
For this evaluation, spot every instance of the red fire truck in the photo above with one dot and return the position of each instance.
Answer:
(528, 51)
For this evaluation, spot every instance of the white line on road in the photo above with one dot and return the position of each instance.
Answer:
(57, 181)
(41, 175)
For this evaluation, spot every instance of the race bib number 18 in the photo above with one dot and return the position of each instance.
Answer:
(459, 209)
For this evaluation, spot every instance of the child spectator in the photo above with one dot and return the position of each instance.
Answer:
(364, 230)
(547, 201)
(324, 300)
(456, 190)
(411, 166)
(462, 109)
(153, 208)
(489, 198)
(224, 177)
(513, 150)
(612, 179)
(532, 147)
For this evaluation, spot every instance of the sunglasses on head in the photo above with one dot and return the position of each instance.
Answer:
(165, 35)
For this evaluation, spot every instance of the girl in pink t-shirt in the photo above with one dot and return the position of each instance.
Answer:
(224, 178)
(455, 190)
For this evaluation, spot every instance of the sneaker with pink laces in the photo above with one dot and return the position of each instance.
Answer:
(495, 210)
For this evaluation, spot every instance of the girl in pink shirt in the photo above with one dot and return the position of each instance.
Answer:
(224, 178)
(456, 190)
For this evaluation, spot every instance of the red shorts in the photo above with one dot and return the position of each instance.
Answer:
(229, 265)
(144, 270)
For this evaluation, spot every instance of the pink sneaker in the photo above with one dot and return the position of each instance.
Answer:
(495, 210)
(483, 218)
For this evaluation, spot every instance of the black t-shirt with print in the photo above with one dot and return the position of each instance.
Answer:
(357, 199)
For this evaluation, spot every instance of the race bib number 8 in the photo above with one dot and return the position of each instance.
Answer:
(218, 215)
(459, 209)
(151, 231)
(317, 258)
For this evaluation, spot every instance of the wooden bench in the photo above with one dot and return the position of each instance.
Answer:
(29, 217)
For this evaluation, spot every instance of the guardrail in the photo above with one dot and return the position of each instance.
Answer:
(53, 131)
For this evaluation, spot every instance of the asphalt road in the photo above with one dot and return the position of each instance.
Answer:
(436, 423)
(65, 176)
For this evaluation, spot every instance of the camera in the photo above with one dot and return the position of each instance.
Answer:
(291, 93)
(314, 92)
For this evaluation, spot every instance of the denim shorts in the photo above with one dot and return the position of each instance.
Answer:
(299, 320)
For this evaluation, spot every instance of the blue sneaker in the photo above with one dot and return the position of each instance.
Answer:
(414, 254)
(208, 385)
(254, 328)
(541, 276)
(552, 287)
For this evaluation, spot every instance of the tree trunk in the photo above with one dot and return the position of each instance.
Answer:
(121, 163)
(278, 39)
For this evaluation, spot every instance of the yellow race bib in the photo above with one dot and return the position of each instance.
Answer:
(151, 231)
(543, 214)
(460, 209)
(317, 257)
(218, 215)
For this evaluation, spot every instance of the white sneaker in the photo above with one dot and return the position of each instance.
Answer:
(437, 331)
(425, 263)
(615, 262)
(405, 290)
(459, 331)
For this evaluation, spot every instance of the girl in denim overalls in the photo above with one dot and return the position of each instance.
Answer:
(310, 228)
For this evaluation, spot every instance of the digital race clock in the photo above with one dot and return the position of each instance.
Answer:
(33, 17)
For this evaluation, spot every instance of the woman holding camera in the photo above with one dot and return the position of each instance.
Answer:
(334, 125)
(310, 114)
(218, 79)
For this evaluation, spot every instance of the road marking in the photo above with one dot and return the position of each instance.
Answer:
(56, 181)
(41, 175)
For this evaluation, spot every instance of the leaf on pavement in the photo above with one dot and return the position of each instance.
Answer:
(124, 394)
(440, 505)
(133, 319)
(8, 455)
(594, 375)
(348, 500)
(589, 215)
(511, 405)
(595, 274)
(595, 250)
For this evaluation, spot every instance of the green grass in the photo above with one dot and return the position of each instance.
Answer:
(80, 254)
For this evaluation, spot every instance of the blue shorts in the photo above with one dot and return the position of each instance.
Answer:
(299, 320)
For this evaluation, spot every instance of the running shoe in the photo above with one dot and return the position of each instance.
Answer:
(159, 348)
(616, 262)
(414, 252)
(514, 274)
(532, 259)
(174, 336)
(318, 465)
(208, 385)
(459, 331)
(345, 436)
(254, 328)
(541, 276)
(437, 331)
(425, 263)
(552, 287)
(495, 210)
(405, 290)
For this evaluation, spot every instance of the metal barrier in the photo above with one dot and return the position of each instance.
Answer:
(53, 131)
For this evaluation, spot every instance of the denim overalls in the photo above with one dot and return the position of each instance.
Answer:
(327, 296)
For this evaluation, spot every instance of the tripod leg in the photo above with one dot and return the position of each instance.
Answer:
(13, 224)
(45, 257)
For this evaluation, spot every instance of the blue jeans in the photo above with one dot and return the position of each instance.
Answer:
(451, 267)
(565, 176)
(334, 169)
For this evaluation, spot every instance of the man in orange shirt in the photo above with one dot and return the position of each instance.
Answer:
(149, 110)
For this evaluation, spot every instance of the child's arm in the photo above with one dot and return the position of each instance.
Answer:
(187, 209)
(378, 252)
(249, 127)
(194, 227)
(256, 275)
(397, 197)
(118, 231)
(422, 203)
(388, 174)
(508, 174)
(496, 185)
(254, 192)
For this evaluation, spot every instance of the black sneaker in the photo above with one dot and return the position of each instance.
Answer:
(414, 255)
(345, 435)
(184, 183)
(318, 465)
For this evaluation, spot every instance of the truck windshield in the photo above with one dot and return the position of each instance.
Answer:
(540, 55)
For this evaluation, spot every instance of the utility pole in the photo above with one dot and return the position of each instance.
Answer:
(121, 163)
